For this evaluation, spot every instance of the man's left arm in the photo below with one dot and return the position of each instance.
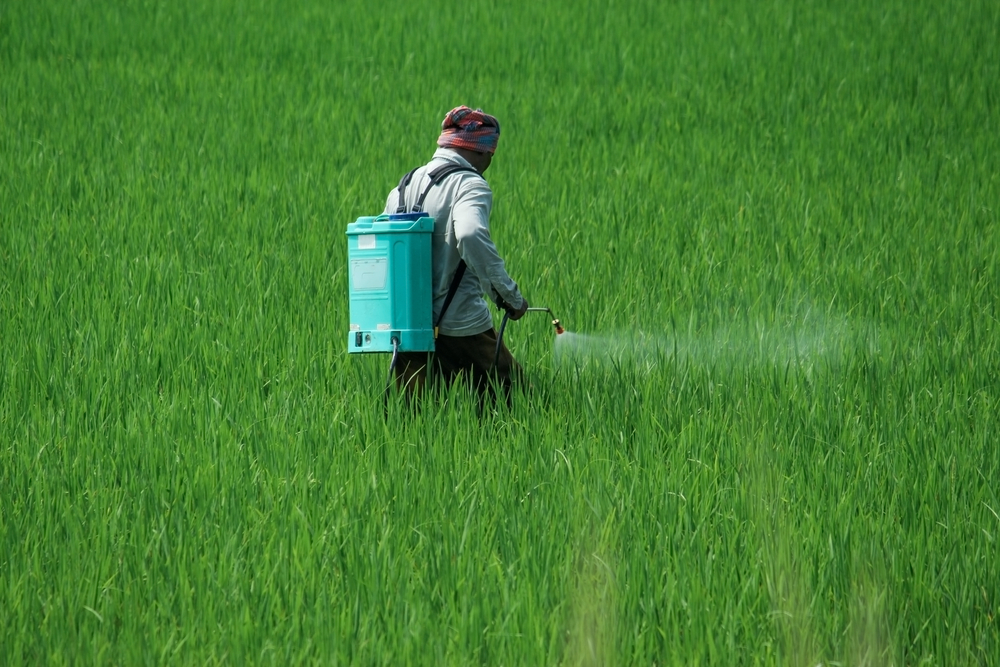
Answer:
(471, 214)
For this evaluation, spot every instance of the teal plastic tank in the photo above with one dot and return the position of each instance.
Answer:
(389, 277)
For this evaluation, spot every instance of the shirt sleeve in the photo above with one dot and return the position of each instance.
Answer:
(470, 219)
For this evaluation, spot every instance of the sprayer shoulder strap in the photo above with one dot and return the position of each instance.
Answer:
(401, 190)
(438, 175)
(435, 176)
(455, 282)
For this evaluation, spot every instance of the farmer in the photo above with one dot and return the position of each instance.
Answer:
(466, 264)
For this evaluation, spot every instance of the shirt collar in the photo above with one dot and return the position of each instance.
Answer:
(451, 156)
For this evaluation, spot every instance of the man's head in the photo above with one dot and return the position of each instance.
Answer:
(473, 134)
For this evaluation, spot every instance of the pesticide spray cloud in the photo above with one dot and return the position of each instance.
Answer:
(804, 340)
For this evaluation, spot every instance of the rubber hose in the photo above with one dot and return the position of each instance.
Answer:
(503, 325)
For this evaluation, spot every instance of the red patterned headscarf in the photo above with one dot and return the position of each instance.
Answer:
(470, 128)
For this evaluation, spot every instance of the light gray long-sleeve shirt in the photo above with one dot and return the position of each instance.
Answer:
(460, 206)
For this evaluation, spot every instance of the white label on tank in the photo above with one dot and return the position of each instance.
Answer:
(355, 327)
(383, 327)
(369, 273)
(366, 242)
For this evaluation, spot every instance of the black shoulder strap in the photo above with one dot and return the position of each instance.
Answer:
(403, 182)
(435, 176)
(438, 175)
(455, 282)
(444, 171)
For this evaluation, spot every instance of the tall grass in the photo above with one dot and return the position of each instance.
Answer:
(769, 436)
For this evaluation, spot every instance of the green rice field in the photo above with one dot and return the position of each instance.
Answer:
(770, 435)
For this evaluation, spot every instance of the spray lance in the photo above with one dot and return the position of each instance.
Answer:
(503, 325)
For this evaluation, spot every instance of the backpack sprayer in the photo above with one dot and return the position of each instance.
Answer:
(389, 279)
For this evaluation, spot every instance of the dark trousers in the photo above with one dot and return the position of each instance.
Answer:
(468, 358)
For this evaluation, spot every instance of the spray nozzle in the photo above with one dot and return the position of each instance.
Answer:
(555, 322)
(503, 325)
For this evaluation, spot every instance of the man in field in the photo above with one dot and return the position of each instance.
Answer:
(466, 264)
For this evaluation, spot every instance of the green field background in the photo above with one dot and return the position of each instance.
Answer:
(770, 436)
